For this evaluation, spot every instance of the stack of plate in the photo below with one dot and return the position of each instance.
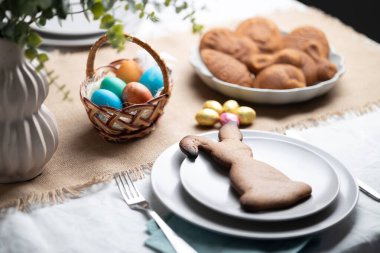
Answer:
(77, 31)
(199, 191)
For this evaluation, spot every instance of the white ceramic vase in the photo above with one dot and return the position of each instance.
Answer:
(28, 130)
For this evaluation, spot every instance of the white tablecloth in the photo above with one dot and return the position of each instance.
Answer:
(100, 221)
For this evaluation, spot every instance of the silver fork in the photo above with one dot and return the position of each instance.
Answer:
(136, 201)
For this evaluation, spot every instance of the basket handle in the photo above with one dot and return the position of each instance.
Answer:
(102, 40)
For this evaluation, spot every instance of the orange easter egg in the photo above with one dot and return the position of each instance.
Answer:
(129, 71)
(136, 93)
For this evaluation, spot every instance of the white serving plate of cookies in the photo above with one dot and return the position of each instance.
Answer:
(266, 96)
(207, 182)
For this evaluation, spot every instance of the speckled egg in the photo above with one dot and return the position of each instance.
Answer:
(227, 117)
(104, 97)
(246, 115)
(207, 117)
(113, 84)
(129, 71)
(153, 79)
(136, 93)
(230, 106)
(215, 105)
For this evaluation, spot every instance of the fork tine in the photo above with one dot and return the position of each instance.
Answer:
(133, 185)
(127, 185)
(130, 185)
(121, 186)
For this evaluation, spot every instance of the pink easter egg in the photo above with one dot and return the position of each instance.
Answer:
(228, 117)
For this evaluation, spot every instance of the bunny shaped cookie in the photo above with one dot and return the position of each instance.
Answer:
(260, 186)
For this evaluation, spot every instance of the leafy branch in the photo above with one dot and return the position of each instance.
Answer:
(16, 18)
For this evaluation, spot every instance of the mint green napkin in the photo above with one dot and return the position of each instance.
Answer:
(205, 241)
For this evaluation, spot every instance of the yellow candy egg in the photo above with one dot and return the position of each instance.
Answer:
(230, 106)
(215, 105)
(129, 71)
(246, 115)
(207, 117)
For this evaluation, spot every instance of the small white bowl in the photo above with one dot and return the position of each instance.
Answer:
(266, 96)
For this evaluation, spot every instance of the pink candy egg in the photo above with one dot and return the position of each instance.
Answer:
(227, 117)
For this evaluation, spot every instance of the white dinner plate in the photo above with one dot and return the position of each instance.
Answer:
(208, 182)
(71, 42)
(74, 24)
(76, 30)
(168, 188)
(266, 96)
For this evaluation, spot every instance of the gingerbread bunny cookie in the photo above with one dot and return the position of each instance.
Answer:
(263, 32)
(260, 186)
(226, 41)
(280, 76)
(301, 37)
(226, 68)
(290, 56)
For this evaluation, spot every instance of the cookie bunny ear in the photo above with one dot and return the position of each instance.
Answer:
(230, 131)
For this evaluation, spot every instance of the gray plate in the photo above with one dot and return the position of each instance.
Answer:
(168, 188)
(208, 183)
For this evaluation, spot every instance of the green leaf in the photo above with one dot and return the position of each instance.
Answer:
(152, 16)
(39, 67)
(182, 7)
(34, 40)
(17, 33)
(62, 8)
(44, 4)
(142, 14)
(197, 28)
(42, 58)
(97, 10)
(139, 6)
(167, 3)
(42, 21)
(31, 53)
(48, 13)
(107, 21)
(116, 36)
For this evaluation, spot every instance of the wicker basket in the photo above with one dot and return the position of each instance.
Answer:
(133, 121)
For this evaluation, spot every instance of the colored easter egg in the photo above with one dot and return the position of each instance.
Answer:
(246, 115)
(104, 97)
(215, 105)
(207, 117)
(153, 79)
(230, 106)
(136, 93)
(113, 84)
(227, 117)
(129, 71)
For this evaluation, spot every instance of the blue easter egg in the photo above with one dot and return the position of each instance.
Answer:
(104, 97)
(153, 79)
(113, 84)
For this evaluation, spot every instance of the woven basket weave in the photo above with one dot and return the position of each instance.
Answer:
(133, 121)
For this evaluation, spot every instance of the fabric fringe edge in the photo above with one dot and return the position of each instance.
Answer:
(315, 121)
(57, 196)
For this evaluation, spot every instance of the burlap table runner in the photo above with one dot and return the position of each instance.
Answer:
(83, 158)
